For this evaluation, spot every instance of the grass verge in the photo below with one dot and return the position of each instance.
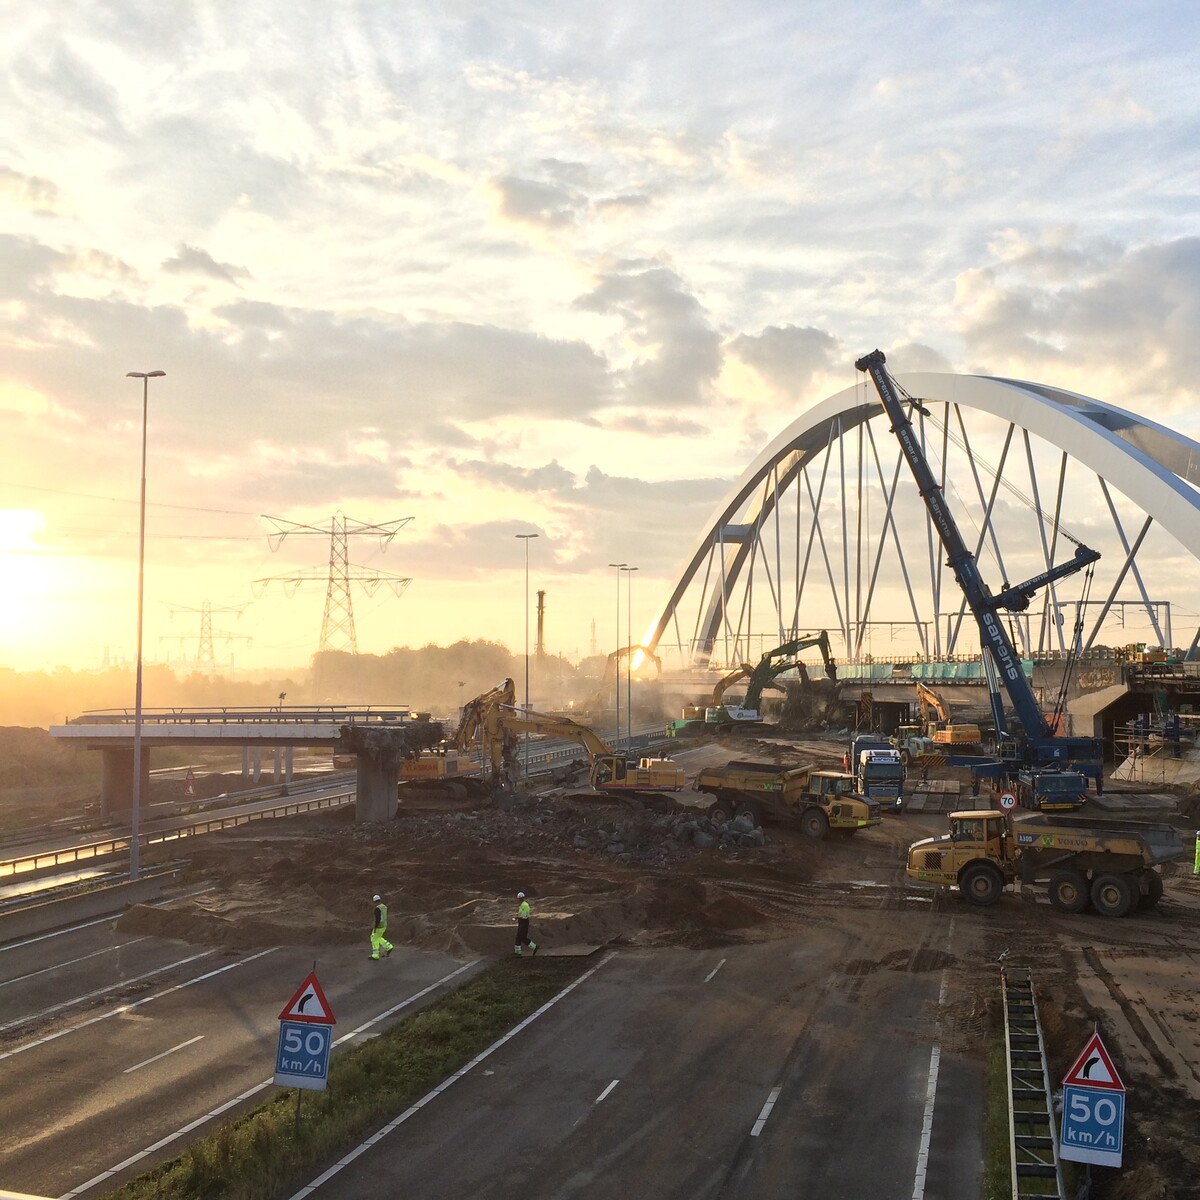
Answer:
(262, 1156)
(997, 1164)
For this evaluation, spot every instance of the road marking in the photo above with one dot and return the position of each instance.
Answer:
(112, 987)
(124, 1008)
(222, 1108)
(148, 1061)
(606, 1091)
(72, 961)
(708, 977)
(935, 1059)
(379, 1135)
(766, 1111)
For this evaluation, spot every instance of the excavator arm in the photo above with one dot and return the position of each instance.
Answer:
(505, 723)
(475, 713)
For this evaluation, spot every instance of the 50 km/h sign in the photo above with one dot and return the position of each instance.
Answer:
(305, 1039)
(1093, 1118)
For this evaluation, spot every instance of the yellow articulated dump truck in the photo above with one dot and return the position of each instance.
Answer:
(1110, 866)
(815, 801)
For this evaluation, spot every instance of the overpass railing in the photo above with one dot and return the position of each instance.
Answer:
(321, 714)
(49, 860)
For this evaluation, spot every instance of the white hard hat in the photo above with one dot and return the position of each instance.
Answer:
(520, 895)
(376, 897)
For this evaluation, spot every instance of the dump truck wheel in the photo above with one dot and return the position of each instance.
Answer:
(981, 884)
(720, 811)
(751, 813)
(1154, 891)
(814, 824)
(1113, 895)
(1069, 892)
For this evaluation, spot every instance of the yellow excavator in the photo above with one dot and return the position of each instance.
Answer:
(935, 716)
(644, 779)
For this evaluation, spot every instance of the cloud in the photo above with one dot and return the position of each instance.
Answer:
(30, 191)
(190, 261)
(524, 200)
(1122, 327)
(680, 351)
(789, 357)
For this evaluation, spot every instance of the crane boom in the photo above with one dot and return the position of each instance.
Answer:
(1041, 745)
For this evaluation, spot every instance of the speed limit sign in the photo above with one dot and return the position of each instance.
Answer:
(1008, 801)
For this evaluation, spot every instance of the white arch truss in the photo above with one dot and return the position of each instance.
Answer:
(825, 523)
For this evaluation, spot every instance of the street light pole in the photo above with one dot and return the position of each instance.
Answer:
(526, 538)
(620, 567)
(629, 665)
(136, 805)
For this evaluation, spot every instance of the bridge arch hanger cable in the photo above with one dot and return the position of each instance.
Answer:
(1052, 522)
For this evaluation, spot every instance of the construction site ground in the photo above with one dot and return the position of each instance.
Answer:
(603, 874)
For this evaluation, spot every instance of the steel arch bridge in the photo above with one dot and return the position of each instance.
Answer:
(825, 529)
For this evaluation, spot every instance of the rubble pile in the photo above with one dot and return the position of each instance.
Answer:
(626, 837)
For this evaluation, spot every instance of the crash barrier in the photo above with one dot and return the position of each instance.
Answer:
(54, 860)
(44, 915)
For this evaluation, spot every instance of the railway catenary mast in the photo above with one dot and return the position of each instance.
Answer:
(1039, 745)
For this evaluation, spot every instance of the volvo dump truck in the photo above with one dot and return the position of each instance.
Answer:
(815, 801)
(1109, 866)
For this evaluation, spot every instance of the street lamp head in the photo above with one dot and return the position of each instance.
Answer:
(525, 536)
(619, 566)
(144, 374)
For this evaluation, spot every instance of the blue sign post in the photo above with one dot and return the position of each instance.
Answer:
(1093, 1117)
(302, 1057)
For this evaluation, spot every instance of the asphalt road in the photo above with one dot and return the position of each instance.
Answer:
(796, 1068)
(111, 1045)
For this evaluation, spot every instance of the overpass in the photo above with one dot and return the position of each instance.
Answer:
(378, 735)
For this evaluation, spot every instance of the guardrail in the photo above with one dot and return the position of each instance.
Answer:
(320, 714)
(95, 851)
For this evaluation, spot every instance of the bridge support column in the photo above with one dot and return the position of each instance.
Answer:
(116, 780)
(377, 780)
(276, 776)
(245, 762)
(289, 756)
(257, 775)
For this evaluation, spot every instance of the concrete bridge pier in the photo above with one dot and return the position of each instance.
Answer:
(376, 780)
(116, 780)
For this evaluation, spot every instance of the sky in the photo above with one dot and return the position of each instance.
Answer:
(527, 268)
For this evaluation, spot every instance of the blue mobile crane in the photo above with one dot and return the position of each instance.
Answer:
(1048, 764)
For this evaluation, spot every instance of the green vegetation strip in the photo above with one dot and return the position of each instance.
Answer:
(262, 1155)
(997, 1138)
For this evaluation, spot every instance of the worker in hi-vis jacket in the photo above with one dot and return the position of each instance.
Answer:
(378, 941)
(523, 926)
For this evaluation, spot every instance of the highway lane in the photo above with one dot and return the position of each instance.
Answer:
(136, 1049)
(794, 1068)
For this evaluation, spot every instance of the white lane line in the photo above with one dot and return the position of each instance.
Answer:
(383, 1016)
(935, 1059)
(124, 1008)
(72, 961)
(148, 1061)
(57, 933)
(379, 1135)
(112, 987)
(766, 1111)
(708, 977)
(95, 1181)
(606, 1091)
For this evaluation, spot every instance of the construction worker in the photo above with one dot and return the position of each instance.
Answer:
(523, 926)
(1196, 864)
(378, 941)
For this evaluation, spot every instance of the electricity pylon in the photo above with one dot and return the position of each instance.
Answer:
(205, 658)
(337, 625)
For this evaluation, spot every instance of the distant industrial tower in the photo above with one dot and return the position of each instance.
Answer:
(593, 651)
(337, 625)
(540, 651)
(205, 658)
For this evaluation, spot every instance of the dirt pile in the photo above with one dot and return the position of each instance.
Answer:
(593, 874)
